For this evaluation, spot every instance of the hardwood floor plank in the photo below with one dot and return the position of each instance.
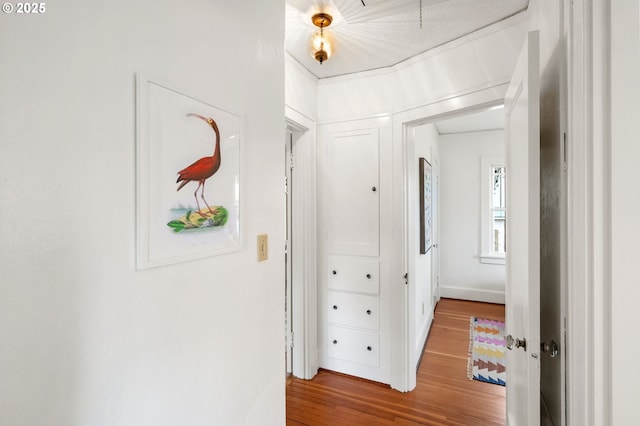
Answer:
(443, 395)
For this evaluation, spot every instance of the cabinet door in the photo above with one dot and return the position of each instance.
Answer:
(351, 189)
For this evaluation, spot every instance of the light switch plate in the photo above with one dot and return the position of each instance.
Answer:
(263, 247)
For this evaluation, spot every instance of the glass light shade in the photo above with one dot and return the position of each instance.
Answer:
(320, 42)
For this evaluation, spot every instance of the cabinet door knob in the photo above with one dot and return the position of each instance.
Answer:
(368, 276)
(335, 342)
(368, 311)
(335, 307)
(334, 272)
(374, 189)
(369, 348)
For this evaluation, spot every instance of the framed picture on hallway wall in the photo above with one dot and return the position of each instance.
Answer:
(425, 205)
(188, 177)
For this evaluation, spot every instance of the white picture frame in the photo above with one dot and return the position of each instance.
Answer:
(172, 133)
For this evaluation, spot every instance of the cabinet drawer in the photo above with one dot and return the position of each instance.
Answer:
(354, 345)
(353, 310)
(353, 274)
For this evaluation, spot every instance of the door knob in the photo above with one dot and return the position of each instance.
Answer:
(550, 348)
(517, 343)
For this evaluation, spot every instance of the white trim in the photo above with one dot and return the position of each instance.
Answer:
(468, 293)
(588, 310)
(492, 259)
(304, 233)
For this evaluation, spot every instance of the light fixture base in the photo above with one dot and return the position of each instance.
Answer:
(321, 20)
(321, 56)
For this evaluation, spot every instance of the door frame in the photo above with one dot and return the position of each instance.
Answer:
(403, 372)
(304, 238)
(588, 182)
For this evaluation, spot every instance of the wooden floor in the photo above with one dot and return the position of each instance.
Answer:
(443, 395)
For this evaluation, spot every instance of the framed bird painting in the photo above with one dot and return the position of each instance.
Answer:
(188, 177)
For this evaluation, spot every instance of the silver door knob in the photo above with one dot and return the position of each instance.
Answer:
(550, 348)
(516, 343)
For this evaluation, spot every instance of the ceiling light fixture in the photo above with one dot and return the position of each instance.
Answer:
(321, 46)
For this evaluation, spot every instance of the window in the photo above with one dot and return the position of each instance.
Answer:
(493, 243)
(498, 210)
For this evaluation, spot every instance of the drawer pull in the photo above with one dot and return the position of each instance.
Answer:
(368, 311)
(334, 272)
(368, 276)
(335, 342)
(335, 307)
(369, 348)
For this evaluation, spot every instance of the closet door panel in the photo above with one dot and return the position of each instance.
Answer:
(352, 193)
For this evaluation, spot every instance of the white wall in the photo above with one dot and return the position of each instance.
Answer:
(625, 204)
(422, 143)
(300, 89)
(461, 273)
(87, 339)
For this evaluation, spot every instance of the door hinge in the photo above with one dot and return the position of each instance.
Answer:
(291, 160)
(290, 340)
(406, 278)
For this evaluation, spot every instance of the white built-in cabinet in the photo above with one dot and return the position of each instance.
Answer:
(354, 193)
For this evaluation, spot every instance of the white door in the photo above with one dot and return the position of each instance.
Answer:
(522, 106)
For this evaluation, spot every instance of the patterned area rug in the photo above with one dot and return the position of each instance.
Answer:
(486, 351)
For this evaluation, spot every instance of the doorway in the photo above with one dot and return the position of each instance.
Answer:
(452, 147)
(300, 302)
(455, 200)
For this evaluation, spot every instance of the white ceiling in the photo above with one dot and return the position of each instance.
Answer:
(385, 32)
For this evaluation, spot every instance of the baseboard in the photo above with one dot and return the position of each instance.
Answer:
(466, 293)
